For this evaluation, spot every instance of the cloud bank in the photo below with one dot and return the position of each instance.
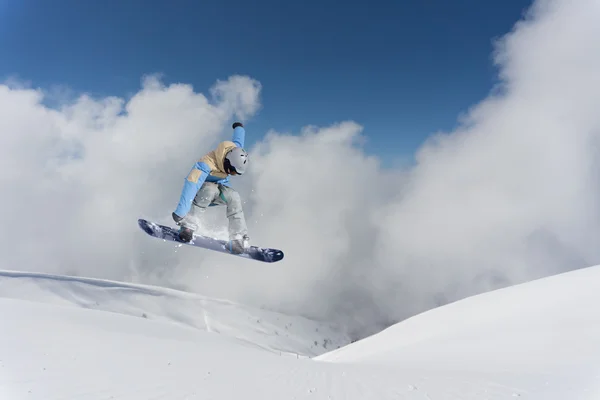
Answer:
(511, 195)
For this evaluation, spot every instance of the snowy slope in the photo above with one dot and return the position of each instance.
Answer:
(51, 352)
(534, 341)
(546, 331)
(266, 329)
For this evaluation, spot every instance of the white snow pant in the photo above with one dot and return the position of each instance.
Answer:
(213, 194)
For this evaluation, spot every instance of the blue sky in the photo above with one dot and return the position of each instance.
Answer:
(403, 70)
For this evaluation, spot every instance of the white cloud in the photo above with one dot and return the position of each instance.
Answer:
(237, 96)
(510, 196)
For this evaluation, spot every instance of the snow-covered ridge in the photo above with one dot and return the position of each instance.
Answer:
(273, 331)
(547, 324)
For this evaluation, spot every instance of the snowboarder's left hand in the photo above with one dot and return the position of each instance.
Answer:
(176, 218)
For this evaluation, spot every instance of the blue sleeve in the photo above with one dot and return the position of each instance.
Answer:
(239, 136)
(191, 185)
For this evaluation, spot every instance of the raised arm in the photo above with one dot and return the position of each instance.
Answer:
(239, 134)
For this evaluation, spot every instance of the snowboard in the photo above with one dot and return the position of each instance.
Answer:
(263, 254)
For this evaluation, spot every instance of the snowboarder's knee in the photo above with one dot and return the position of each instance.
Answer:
(206, 194)
(232, 198)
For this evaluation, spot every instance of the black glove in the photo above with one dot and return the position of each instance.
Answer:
(236, 124)
(176, 218)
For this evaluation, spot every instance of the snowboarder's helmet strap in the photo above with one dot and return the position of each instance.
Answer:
(236, 161)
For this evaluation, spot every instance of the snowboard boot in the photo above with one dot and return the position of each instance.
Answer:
(239, 245)
(186, 233)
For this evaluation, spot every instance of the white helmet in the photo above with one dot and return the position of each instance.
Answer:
(236, 161)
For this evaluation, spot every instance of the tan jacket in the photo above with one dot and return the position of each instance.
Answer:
(214, 161)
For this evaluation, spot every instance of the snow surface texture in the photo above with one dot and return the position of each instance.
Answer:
(272, 331)
(539, 340)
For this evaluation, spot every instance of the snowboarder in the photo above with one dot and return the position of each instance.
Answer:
(207, 184)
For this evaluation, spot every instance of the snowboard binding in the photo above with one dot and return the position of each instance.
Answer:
(186, 234)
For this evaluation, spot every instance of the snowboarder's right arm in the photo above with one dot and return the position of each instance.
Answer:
(239, 134)
(192, 184)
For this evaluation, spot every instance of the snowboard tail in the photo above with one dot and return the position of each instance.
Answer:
(263, 254)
